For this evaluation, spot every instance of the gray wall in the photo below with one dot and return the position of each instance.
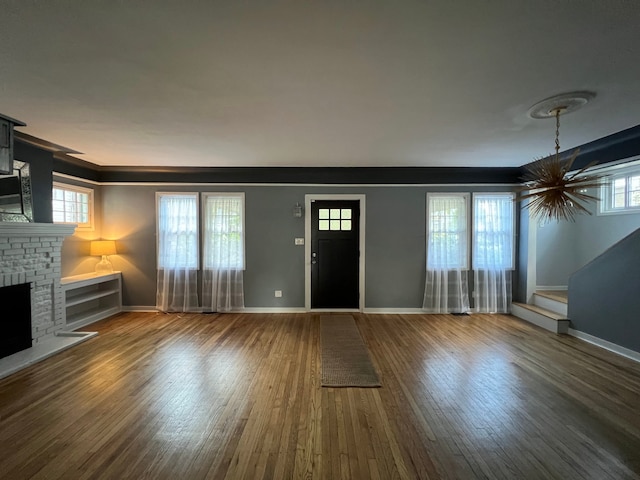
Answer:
(564, 247)
(395, 242)
(75, 249)
(603, 295)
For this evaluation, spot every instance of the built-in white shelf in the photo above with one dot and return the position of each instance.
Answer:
(91, 297)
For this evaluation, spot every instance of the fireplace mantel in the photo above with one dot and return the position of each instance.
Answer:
(20, 229)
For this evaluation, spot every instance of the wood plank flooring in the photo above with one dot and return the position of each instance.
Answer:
(238, 396)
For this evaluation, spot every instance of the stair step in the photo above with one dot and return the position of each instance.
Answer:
(557, 295)
(547, 319)
(555, 301)
(543, 311)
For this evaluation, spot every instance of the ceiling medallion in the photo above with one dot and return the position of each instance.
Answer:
(553, 192)
(567, 102)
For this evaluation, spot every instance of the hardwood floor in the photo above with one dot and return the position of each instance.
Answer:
(237, 396)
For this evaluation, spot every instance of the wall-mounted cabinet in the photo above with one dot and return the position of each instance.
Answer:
(91, 297)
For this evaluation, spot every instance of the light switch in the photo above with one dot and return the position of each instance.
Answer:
(299, 241)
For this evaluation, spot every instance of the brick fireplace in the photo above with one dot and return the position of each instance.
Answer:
(30, 254)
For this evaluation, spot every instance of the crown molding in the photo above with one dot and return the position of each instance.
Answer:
(43, 144)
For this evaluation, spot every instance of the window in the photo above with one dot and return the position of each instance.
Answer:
(219, 278)
(493, 231)
(492, 240)
(621, 193)
(224, 230)
(73, 205)
(447, 231)
(177, 230)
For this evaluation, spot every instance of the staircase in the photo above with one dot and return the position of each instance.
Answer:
(548, 310)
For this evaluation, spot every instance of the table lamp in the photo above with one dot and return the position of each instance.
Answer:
(103, 248)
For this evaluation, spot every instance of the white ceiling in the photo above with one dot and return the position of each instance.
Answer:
(316, 83)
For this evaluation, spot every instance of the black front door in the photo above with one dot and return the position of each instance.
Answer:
(335, 253)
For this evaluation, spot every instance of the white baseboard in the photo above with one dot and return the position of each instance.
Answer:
(142, 308)
(612, 347)
(407, 311)
(333, 310)
(392, 311)
(552, 287)
(138, 308)
(273, 310)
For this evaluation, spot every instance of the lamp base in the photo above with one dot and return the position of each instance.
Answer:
(104, 265)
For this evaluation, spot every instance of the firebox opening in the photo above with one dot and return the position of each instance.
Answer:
(15, 320)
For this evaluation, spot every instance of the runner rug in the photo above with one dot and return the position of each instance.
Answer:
(345, 358)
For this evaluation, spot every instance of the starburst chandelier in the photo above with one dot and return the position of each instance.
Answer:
(554, 191)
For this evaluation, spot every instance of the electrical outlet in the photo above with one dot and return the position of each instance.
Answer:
(278, 293)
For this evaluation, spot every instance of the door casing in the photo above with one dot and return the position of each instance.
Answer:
(307, 247)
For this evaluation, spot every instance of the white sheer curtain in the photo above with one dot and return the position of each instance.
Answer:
(493, 251)
(177, 231)
(223, 258)
(446, 286)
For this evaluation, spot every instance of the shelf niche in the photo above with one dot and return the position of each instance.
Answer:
(91, 297)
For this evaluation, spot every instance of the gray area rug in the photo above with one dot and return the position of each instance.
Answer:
(345, 358)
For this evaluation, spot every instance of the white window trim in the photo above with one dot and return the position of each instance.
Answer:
(604, 205)
(512, 196)
(88, 226)
(466, 196)
(240, 195)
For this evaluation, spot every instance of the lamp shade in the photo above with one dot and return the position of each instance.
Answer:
(103, 247)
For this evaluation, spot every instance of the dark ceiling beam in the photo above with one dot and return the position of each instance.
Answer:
(610, 149)
(313, 175)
